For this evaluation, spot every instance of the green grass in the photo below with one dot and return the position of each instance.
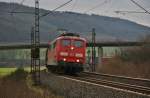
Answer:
(7, 71)
(10, 85)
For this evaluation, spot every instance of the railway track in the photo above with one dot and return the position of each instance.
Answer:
(122, 79)
(95, 78)
(88, 87)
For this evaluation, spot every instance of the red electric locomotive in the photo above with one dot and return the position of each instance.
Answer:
(66, 54)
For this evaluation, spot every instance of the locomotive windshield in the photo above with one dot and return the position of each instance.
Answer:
(78, 43)
(66, 42)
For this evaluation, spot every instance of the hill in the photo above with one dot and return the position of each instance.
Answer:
(16, 27)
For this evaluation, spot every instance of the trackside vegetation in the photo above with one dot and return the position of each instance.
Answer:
(133, 62)
(18, 84)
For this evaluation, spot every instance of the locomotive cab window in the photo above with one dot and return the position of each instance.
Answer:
(66, 42)
(78, 43)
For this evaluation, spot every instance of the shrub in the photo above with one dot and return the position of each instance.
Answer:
(133, 62)
(137, 54)
(19, 74)
(15, 86)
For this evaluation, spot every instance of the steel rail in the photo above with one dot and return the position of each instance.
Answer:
(123, 86)
(114, 84)
(122, 79)
(134, 88)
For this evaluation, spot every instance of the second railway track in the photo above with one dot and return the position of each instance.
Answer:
(121, 79)
(95, 78)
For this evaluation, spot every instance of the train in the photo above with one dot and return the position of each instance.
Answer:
(66, 54)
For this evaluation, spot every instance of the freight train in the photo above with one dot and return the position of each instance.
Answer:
(66, 54)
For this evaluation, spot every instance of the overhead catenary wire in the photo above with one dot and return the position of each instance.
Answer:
(128, 12)
(97, 6)
(21, 3)
(55, 9)
(75, 3)
(45, 14)
(146, 11)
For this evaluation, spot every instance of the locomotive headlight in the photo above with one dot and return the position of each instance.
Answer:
(79, 55)
(78, 60)
(63, 53)
(64, 59)
(72, 48)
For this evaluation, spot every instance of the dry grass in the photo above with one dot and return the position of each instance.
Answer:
(118, 67)
(133, 62)
(15, 86)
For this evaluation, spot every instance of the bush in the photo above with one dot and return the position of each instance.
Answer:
(137, 54)
(132, 62)
(19, 74)
(15, 86)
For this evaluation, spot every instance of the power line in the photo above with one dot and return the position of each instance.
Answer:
(146, 11)
(55, 9)
(21, 3)
(75, 3)
(123, 12)
(99, 5)
(23, 12)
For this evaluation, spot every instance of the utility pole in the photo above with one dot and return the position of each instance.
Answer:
(93, 50)
(35, 50)
(32, 50)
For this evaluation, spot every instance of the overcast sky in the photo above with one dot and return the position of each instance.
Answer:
(100, 7)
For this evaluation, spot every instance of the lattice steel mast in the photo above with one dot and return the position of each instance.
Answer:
(35, 42)
(93, 50)
(35, 50)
